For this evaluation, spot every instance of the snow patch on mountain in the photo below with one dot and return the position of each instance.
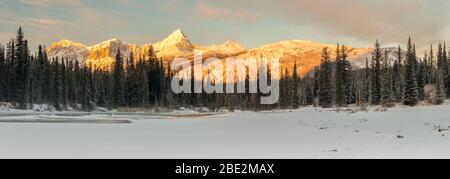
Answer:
(103, 55)
(226, 48)
(68, 49)
(176, 44)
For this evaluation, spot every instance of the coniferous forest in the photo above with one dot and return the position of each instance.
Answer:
(28, 78)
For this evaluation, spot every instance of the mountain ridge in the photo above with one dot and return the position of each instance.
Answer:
(307, 54)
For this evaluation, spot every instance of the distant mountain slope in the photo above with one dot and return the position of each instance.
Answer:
(307, 54)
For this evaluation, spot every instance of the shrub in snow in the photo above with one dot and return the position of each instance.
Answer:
(433, 95)
(5, 106)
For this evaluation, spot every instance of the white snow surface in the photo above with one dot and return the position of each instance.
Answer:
(402, 132)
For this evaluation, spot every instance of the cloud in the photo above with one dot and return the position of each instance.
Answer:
(391, 21)
(171, 6)
(47, 22)
(210, 11)
(357, 21)
(50, 2)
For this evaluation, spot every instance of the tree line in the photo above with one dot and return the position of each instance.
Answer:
(27, 79)
(405, 79)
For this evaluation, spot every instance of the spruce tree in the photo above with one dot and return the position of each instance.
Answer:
(21, 69)
(325, 94)
(410, 97)
(343, 77)
(163, 85)
(11, 71)
(118, 76)
(79, 78)
(316, 78)
(339, 79)
(366, 82)
(431, 65)
(131, 94)
(445, 70)
(295, 103)
(3, 74)
(154, 75)
(419, 75)
(92, 87)
(46, 67)
(285, 89)
(64, 85)
(40, 74)
(33, 86)
(348, 77)
(85, 102)
(386, 91)
(142, 90)
(440, 90)
(56, 86)
(376, 75)
(397, 80)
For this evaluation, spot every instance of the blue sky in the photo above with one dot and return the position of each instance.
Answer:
(250, 22)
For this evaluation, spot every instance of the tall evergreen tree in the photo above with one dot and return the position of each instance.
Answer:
(71, 83)
(154, 72)
(348, 77)
(315, 85)
(21, 69)
(56, 86)
(142, 85)
(118, 85)
(386, 90)
(397, 77)
(46, 84)
(295, 103)
(131, 84)
(3, 74)
(339, 79)
(411, 92)
(64, 85)
(11, 71)
(376, 75)
(85, 92)
(325, 86)
(366, 83)
(440, 90)
(431, 65)
(419, 74)
(343, 77)
(445, 69)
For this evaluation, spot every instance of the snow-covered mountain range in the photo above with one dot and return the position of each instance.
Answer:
(306, 54)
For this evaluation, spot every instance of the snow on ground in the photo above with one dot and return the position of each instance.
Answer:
(419, 132)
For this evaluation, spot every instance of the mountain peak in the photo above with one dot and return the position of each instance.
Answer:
(176, 36)
(232, 43)
(107, 43)
(65, 43)
(67, 49)
(177, 33)
(112, 40)
(175, 44)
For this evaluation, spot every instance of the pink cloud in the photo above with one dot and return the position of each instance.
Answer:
(46, 22)
(209, 11)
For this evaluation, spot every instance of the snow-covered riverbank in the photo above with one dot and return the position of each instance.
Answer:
(419, 132)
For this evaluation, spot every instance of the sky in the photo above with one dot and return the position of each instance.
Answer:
(357, 23)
